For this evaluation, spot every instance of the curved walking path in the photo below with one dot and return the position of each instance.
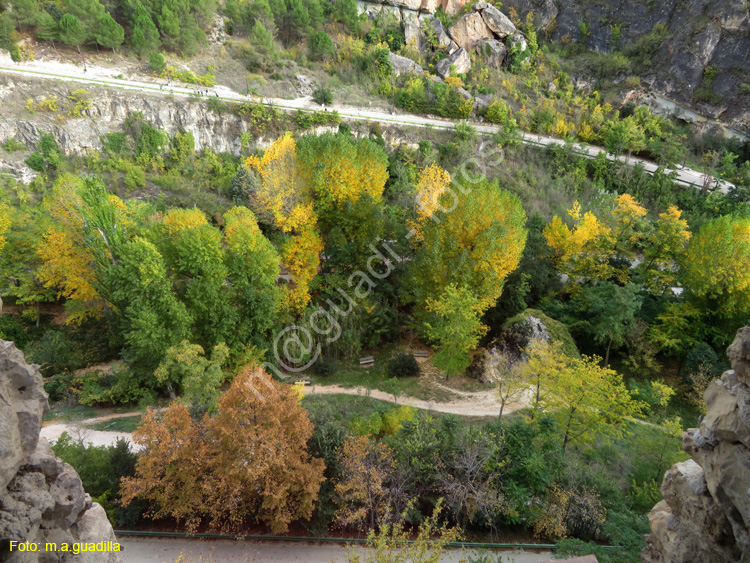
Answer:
(478, 403)
(143, 83)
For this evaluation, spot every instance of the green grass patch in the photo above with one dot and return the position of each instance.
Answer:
(123, 424)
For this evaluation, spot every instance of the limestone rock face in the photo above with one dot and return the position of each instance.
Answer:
(413, 35)
(460, 61)
(491, 51)
(402, 65)
(705, 514)
(41, 497)
(495, 19)
(443, 39)
(468, 30)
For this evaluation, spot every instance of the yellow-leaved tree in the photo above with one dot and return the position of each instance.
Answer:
(284, 199)
(587, 399)
(583, 252)
(76, 241)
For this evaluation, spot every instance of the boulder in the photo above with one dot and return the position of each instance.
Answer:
(413, 35)
(41, 497)
(516, 39)
(518, 333)
(483, 102)
(705, 514)
(498, 22)
(444, 40)
(468, 30)
(413, 5)
(460, 61)
(491, 51)
(402, 65)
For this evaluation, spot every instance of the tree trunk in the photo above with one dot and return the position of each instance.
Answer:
(500, 416)
(606, 356)
(567, 428)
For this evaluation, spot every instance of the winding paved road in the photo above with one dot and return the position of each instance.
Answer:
(151, 85)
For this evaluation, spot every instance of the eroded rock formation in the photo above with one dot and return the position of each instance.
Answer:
(41, 497)
(705, 514)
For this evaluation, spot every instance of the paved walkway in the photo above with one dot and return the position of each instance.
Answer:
(152, 550)
(143, 83)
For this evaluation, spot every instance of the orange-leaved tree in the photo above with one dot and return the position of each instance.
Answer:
(248, 461)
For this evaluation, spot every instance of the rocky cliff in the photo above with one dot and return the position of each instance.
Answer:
(705, 514)
(698, 34)
(106, 113)
(41, 497)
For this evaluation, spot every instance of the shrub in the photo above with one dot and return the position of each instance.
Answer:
(156, 61)
(322, 96)
(325, 367)
(56, 353)
(36, 162)
(135, 178)
(403, 365)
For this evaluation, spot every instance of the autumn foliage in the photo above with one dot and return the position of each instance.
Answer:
(247, 462)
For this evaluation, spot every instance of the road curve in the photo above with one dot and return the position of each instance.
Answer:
(107, 77)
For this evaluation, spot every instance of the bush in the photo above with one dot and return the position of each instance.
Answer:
(135, 178)
(56, 353)
(156, 61)
(36, 162)
(325, 367)
(322, 96)
(403, 365)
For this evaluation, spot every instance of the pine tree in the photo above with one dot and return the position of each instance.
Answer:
(110, 33)
(72, 32)
(24, 12)
(46, 28)
(145, 35)
(89, 13)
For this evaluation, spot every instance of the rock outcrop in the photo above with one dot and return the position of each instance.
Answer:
(511, 346)
(697, 34)
(402, 65)
(705, 514)
(469, 29)
(498, 22)
(491, 51)
(459, 62)
(41, 497)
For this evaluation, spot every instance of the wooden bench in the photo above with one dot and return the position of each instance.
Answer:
(305, 380)
(367, 361)
(420, 354)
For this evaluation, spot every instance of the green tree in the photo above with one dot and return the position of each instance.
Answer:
(110, 33)
(607, 312)
(346, 12)
(47, 28)
(261, 37)
(24, 12)
(8, 33)
(455, 325)
(147, 313)
(156, 61)
(168, 20)
(145, 35)
(320, 45)
(186, 369)
(72, 33)
(589, 400)
(89, 13)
